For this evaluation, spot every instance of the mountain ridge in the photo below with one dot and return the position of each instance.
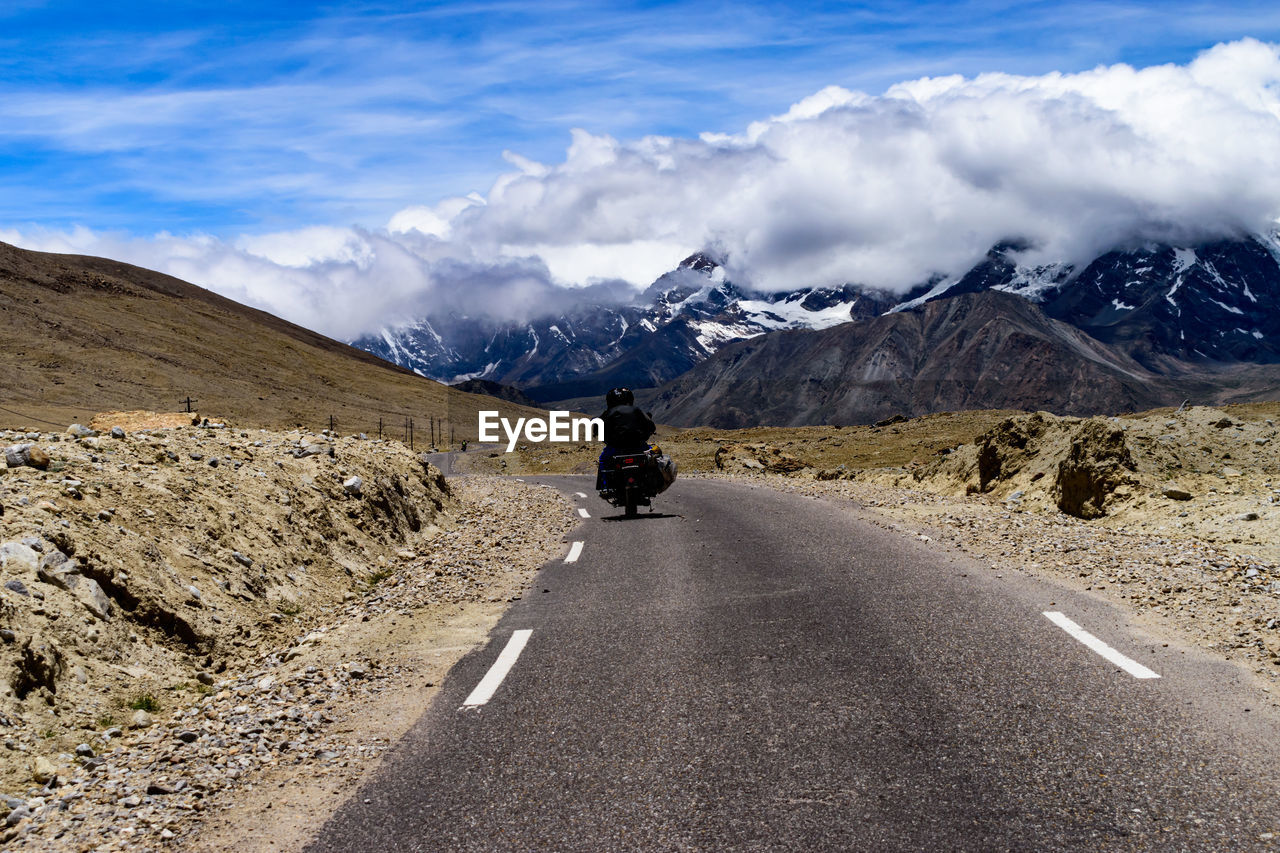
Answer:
(83, 335)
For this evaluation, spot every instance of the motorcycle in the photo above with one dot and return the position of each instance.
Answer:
(632, 480)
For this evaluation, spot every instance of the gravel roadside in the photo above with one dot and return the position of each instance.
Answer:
(261, 759)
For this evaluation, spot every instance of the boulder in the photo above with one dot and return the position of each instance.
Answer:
(1097, 465)
(1176, 493)
(756, 457)
(42, 770)
(16, 557)
(93, 598)
(18, 455)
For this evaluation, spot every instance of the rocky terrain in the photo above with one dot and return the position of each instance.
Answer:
(187, 610)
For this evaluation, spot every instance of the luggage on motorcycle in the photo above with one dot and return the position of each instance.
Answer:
(666, 467)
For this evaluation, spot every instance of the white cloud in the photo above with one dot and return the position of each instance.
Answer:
(844, 187)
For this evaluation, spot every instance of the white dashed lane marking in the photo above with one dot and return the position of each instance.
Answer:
(579, 494)
(582, 512)
(1129, 665)
(493, 678)
(575, 551)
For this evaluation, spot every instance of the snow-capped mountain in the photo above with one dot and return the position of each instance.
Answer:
(1212, 302)
(683, 317)
(1161, 305)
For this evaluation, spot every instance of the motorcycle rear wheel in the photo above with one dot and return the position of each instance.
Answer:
(630, 502)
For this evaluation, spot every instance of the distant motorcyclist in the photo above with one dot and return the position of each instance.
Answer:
(626, 428)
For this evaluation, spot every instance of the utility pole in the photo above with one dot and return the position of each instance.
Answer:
(188, 402)
(330, 423)
(410, 434)
(379, 429)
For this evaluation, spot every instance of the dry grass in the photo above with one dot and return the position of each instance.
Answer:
(82, 335)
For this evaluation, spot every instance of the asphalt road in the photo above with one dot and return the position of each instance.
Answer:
(747, 670)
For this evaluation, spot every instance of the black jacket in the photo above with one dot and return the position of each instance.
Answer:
(627, 428)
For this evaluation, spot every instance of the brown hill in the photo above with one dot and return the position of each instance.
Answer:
(82, 334)
(988, 350)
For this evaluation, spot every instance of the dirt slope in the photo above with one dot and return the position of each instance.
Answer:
(82, 334)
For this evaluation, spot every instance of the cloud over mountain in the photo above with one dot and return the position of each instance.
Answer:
(882, 190)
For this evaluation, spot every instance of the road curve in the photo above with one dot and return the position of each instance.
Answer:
(751, 670)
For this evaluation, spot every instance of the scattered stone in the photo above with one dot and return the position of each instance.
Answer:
(188, 736)
(1248, 516)
(1176, 493)
(241, 559)
(16, 557)
(140, 720)
(353, 486)
(19, 455)
(42, 770)
(17, 586)
(160, 789)
(80, 431)
(205, 678)
(93, 598)
(84, 751)
(1228, 471)
(117, 432)
(131, 802)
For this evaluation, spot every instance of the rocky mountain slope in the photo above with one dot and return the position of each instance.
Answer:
(1211, 302)
(977, 350)
(81, 335)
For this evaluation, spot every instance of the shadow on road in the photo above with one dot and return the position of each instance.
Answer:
(644, 516)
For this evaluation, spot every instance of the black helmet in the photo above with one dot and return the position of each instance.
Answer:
(619, 397)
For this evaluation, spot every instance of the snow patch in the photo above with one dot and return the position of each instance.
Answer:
(1183, 260)
(937, 290)
(791, 314)
(482, 374)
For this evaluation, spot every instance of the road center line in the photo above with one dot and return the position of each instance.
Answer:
(582, 512)
(579, 494)
(575, 551)
(1129, 665)
(493, 678)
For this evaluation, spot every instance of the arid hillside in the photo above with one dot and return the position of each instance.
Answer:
(82, 335)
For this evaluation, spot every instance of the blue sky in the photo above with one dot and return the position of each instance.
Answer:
(230, 118)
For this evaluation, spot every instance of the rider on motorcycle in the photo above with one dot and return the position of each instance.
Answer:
(626, 428)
